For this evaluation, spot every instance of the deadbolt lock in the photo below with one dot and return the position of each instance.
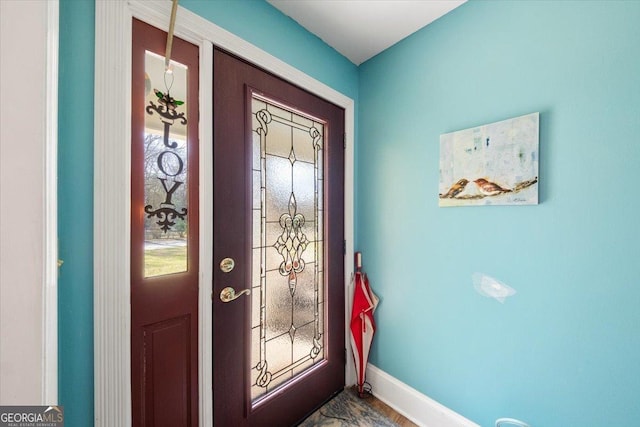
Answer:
(227, 264)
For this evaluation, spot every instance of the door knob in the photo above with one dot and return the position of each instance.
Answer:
(228, 294)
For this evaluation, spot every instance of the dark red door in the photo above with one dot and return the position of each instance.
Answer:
(164, 231)
(279, 336)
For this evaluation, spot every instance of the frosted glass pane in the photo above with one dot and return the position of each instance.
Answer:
(256, 269)
(278, 183)
(305, 336)
(273, 230)
(304, 188)
(255, 313)
(256, 391)
(304, 299)
(257, 225)
(309, 255)
(303, 148)
(257, 105)
(286, 305)
(320, 259)
(321, 308)
(279, 112)
(255, 348)
(255, 151)
(321, 291)
(165, 170)
(279, 140)
(304, 121)
(279, 352)
(320, 215)
(278, 306)
(256, 190)
(273, 259)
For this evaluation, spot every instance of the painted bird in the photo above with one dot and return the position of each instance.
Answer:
(489, 188)
(455, 189)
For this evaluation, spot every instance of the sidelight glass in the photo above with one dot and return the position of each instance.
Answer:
(165, 168)
(287, 329)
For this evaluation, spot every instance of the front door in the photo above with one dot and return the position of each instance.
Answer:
(278, 280)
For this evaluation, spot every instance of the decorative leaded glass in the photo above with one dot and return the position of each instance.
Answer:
(287, 274)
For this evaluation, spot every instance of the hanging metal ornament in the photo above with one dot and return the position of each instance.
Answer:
(166, 108)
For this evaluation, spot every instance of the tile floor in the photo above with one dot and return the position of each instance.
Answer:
(348, 410)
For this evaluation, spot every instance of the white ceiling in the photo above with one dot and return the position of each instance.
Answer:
(360, 29)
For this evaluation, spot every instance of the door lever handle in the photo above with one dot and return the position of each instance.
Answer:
(229, 294)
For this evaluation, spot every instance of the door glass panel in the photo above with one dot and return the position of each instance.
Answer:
(287, 307)
(165, 168)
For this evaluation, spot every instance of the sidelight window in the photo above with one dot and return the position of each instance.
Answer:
(165, 168)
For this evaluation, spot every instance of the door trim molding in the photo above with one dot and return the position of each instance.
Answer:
(112, 215)
(112, 189)
(50, 299)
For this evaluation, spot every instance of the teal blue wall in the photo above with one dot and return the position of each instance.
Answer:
(261, 25)
(565, 350)
(75, 211)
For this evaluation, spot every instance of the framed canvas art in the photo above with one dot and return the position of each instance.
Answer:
(493, 164)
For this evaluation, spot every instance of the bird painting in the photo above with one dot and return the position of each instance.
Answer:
(489, 188)
(455, 189)
(498, 161)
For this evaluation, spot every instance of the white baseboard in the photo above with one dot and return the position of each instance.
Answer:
(414, 405)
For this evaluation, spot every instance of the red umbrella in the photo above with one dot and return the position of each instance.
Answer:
(363, 325)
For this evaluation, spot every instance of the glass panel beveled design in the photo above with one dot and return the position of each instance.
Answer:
(287, 336)
(165, 168)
